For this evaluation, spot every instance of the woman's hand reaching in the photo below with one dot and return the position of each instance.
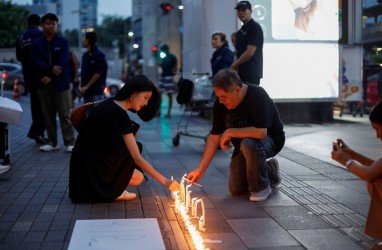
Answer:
(172, 185)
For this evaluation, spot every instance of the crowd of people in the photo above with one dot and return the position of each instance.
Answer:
(106, 156)
(50, 71)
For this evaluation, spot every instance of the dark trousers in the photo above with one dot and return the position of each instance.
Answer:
(55, 102)
(38, 123)
(248, 169)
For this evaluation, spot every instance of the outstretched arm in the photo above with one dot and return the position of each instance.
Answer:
(362, 166)
(141, 162)
(354, 154)
(209, 152)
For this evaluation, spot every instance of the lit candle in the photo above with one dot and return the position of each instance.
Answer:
(202, 219)
(183, 201)
(193, 204)
(182, 189)
(187, 196)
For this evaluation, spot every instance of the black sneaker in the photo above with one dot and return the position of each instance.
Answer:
(274, 172)
(38, 138)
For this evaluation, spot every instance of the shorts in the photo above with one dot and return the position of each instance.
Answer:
(166, 84)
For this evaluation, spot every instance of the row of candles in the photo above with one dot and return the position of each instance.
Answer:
(185, 205)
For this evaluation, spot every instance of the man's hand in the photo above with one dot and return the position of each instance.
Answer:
(83, 89)
(57, 70)
(45, 80)
(225, 140)
(195, 175)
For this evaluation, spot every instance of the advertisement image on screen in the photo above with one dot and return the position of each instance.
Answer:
(305, 20)
(301, 53)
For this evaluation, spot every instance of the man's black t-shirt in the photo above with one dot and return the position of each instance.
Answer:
(257, 109)
(250, 33)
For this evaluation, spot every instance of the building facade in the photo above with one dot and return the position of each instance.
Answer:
(372, 26)
(73, 14)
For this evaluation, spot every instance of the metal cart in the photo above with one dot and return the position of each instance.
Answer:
(201, 100)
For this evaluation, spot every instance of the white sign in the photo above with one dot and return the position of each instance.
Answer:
(116, 234)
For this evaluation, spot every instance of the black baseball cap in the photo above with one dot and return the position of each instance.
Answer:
(243, 5)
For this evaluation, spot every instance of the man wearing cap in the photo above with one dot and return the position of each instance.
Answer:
(249, 46)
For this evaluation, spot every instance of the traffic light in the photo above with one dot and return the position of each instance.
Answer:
(154, 49)
(163, 51)
(166, 8)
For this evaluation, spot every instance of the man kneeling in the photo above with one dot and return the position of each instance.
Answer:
(245, 116)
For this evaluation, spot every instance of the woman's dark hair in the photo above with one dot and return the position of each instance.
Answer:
(137, 84)
(222, 36)
(376, 113)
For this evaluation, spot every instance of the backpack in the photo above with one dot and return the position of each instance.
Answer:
(185, 88)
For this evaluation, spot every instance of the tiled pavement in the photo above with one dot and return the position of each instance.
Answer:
(319, 205)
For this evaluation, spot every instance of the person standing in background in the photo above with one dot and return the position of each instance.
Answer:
(233, 40)
(169, 65)
(23, 54)
(73, 74)
(50, 59)
(249, 46)
(222, 58)
(93, 70)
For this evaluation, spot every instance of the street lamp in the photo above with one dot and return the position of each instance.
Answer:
(128, 37)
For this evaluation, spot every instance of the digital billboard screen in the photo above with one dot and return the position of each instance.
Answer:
(301, 52)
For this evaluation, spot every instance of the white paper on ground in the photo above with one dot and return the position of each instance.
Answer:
(116, 234)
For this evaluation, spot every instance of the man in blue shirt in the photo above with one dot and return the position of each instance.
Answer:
(50, 59)
(93, 70)
(23, 54)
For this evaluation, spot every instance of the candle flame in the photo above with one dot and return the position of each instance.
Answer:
(182, 209)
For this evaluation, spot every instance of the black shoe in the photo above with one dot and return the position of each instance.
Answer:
(38, 138)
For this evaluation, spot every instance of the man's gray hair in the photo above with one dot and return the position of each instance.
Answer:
(225, 79)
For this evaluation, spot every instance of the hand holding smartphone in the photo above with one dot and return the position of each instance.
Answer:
(339, 144)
